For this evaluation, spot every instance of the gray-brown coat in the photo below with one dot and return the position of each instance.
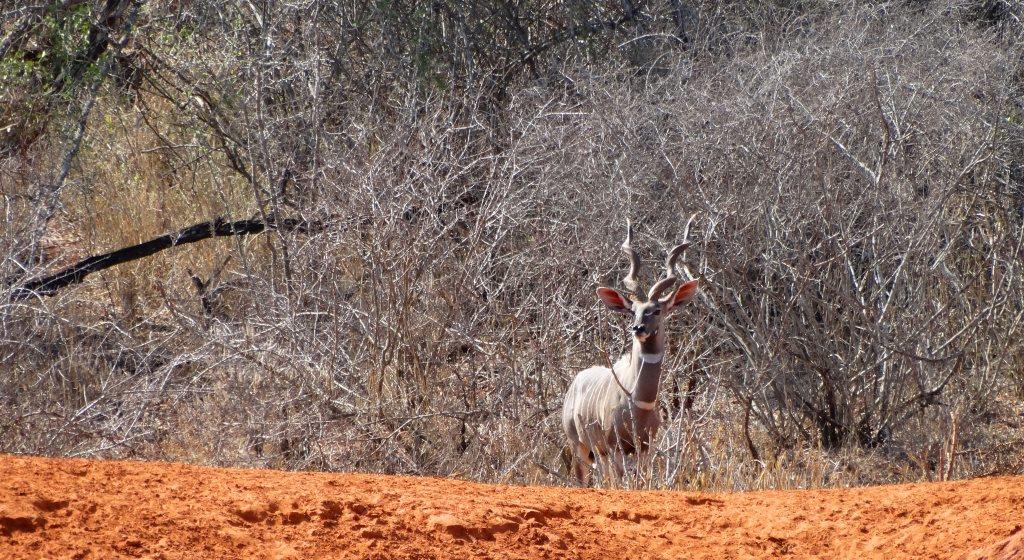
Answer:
(612, 412)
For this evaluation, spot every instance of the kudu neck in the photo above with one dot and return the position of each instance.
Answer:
(646, 359)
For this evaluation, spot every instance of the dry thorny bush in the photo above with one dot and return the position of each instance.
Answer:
(853, 174)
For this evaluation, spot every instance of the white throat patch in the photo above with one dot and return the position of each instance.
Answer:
(644, 405)
(650, 358)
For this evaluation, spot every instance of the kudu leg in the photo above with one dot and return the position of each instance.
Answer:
(618, 460)
(608, 468)
(581, 463)
(645, 465)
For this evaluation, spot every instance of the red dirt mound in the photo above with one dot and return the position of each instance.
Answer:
(59, 508)
(1010, 548)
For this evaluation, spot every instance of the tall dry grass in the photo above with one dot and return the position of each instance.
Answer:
(853, 173)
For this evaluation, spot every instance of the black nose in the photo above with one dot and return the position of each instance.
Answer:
(638, 329)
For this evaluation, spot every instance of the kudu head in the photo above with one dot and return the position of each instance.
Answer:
(661, 300)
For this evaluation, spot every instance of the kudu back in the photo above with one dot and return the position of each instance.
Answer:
(609, 413)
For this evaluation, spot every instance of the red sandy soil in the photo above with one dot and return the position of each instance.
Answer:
(60, 508)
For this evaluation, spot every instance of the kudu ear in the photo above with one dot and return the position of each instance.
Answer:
(615, 301)
(683, 293)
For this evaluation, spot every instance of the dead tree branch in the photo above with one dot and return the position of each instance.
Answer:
(219, 227)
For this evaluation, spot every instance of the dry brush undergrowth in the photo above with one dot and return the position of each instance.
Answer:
(853, 173)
